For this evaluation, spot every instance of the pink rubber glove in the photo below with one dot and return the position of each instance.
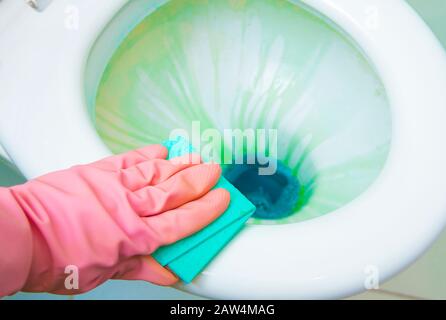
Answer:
(105, 218)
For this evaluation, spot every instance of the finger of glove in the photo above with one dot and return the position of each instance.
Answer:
(144, 268)
(191, 217)
(153, 172)
(132, 158)
(185, 186)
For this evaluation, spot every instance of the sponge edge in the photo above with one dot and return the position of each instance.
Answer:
(188, 257)
(188, 265)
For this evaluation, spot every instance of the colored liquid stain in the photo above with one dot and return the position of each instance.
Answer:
(272, 64)
(275, 196)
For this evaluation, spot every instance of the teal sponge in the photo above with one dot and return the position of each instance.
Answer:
(188, 257)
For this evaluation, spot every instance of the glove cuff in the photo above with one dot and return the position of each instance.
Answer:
(15, 245)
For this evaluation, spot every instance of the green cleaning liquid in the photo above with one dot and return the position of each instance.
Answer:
(271, 64)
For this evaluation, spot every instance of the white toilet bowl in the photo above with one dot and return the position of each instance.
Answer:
(45, 125)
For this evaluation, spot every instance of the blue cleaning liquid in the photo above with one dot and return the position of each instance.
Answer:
(275, 196)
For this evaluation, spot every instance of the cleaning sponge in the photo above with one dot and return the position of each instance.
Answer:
(187, 257)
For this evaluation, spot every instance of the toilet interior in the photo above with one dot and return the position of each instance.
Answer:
(9, 174)
(244, 64)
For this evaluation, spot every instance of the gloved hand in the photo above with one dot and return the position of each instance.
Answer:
(105, 219)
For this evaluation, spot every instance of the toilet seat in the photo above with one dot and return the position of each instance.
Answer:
(42, 63)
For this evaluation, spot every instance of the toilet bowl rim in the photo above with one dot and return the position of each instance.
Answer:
(333, 279)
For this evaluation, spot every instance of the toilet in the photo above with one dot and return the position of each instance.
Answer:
(372, 87)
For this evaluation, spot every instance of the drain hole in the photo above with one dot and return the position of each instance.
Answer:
(275, 196)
